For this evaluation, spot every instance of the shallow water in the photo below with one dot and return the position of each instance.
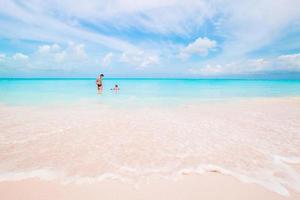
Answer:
(56, 91)
(250, 130)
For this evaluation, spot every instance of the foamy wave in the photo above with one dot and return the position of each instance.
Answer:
(50, 175)
(270, 182)
(43, 174)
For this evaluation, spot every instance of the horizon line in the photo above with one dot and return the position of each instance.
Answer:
(149, 78)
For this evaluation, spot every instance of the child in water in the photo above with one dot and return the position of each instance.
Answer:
(116, 88)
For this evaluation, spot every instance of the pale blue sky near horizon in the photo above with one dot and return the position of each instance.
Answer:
(158, 38)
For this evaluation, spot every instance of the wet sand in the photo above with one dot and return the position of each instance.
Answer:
(208, 186)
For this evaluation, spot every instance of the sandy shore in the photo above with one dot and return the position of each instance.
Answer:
(206, 186)
(253, 140)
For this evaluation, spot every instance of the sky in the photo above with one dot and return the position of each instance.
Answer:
(150, 38)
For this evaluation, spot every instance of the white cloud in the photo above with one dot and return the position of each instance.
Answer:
(2, 57)
(35, 20)
(60, 56)
(77, 50)
(208, 70)
(17, 61)
(20, 57)
(150, 60)
(289, 62)
(169, 16)
(44, 49)
(293, 59)
(51, 57)
(214, 69)
(249, 25)
(107, 59)
(73, 52)
(259, 64)
(200, 46)
(139, 59)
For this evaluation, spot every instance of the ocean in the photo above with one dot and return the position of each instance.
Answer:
(137, 90)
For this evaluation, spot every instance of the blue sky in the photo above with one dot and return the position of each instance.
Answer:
(157, 38)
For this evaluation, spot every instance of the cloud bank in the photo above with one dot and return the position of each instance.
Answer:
(283, 63)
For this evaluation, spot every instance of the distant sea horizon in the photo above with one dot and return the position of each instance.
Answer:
(152, 78)
(279, 75)
(137, 90)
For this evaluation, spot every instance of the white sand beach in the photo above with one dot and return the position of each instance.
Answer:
(241, 149)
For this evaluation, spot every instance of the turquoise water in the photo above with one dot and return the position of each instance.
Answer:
(45, 91)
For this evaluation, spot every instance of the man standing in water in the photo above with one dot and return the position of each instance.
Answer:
(99, 82)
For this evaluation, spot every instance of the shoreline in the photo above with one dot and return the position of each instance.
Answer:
(153, 103)
(207, 186)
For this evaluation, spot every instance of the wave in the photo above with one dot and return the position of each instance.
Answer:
(272, 182)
